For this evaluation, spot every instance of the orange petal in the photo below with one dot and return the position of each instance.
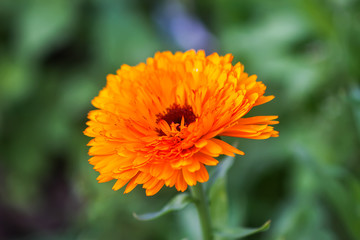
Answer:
(264, 99)
(201, 143)
(194, 166)
(172, 179)
(212, 149)
(227, 147)
(180, 183)
(127, 174)
(205, 159)
(189, 177)
(155, 189)
(151, 183)
(119, 184)
(167, 172)
(131, 185)
(258, 120)
(143, 178)
(104, 178)
(202, 175)
(101, 150)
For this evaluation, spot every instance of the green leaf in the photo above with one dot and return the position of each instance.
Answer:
(241, 232)
(179, 202)
(219, 202)
(43, 25)
(221, 169)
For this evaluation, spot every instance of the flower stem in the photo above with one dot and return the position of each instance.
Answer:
(202, 207)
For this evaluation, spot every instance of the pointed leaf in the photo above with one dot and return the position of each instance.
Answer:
(219, 203)
(241, 232)
(221, 170)
(179, 202)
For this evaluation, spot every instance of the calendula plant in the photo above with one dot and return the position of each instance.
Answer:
(160, 122)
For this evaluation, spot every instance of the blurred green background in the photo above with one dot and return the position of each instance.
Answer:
(55, 54)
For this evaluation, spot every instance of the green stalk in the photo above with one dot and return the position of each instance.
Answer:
(202, 207)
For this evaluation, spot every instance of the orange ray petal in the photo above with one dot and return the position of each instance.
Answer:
(131, 185)
(205, 159)
(152, 191)
(202, 175)
(227, 147)
(119, 184)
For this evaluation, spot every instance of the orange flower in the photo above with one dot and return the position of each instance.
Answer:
(156, 123)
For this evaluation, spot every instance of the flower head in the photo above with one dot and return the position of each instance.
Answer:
(156, 123)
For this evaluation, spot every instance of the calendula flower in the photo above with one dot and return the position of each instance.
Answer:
(157, 123)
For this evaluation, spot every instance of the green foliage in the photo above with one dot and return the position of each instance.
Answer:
(218, 196)
(54, 59)
(179, 202)
(236, 233)
(219, 205)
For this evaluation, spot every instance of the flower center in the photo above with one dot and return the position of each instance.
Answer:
(174, 114)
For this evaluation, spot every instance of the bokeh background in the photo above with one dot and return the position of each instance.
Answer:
(55, 54)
